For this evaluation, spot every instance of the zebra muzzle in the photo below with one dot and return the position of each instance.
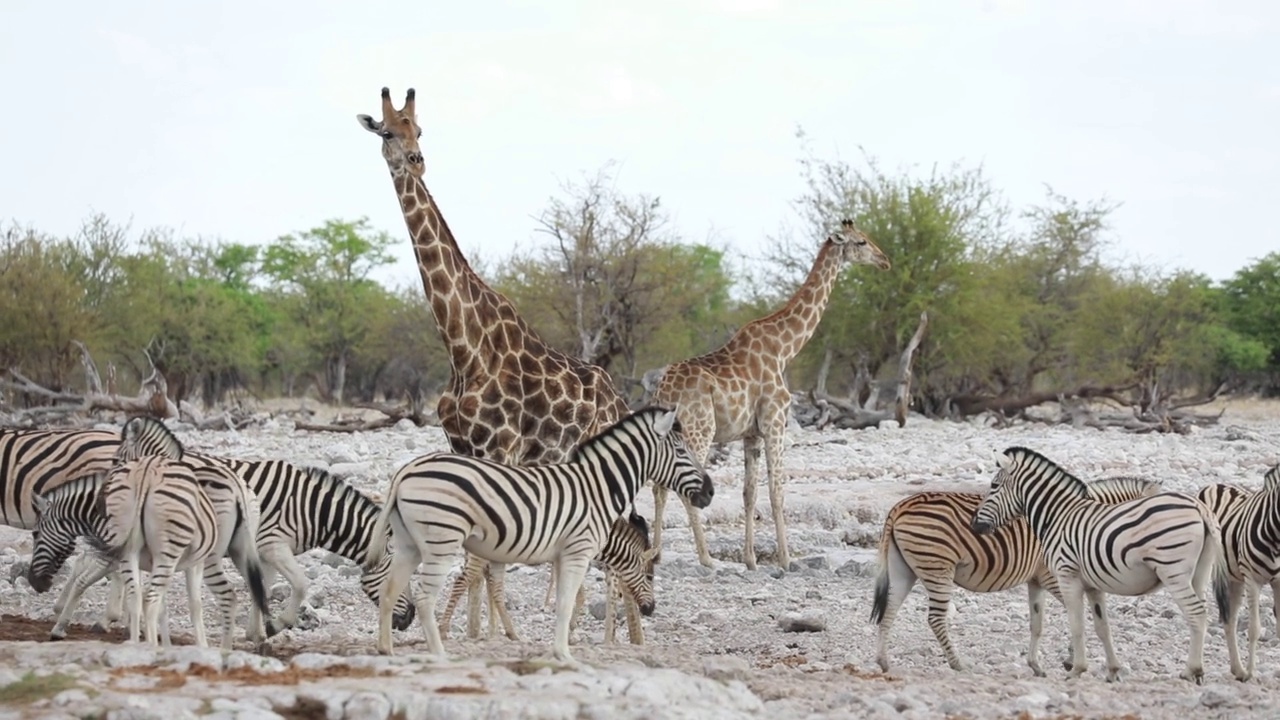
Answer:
(982, 527)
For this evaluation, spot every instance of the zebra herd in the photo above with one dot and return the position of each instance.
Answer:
(1042, 526)
(142, 501)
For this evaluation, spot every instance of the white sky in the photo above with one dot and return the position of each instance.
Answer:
(236, 120)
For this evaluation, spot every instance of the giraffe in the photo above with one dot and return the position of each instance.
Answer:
(510, 397)
(739, 391)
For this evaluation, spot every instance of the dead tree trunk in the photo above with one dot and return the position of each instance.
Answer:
(903, 399)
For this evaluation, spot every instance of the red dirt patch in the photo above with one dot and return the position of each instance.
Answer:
(16, 628)
(168, 679)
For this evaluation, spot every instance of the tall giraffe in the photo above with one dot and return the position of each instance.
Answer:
(739, 391)
(510, 396)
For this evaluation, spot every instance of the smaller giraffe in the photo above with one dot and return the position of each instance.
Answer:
(739, 392)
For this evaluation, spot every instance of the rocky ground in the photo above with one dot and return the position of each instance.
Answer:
(724, 643)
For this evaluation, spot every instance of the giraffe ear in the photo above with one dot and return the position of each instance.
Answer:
(665, 422)
(373, 126)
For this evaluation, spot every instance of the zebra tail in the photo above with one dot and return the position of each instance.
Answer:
(880, 603)
(1213, 562)
(380, 535)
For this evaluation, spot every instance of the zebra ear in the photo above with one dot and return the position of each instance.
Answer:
(1004, 462)
(665, 422)
(1271, 480)
(40, 502)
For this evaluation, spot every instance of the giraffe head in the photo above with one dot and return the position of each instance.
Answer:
(857, 248)
(399, 132)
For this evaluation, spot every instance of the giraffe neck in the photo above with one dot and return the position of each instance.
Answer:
(461, 303)
(785, 332)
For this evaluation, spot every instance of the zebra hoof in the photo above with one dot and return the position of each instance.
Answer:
(1194, 675)
(274, 628)
(57, 636)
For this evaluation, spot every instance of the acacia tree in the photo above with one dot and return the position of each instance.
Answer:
(325, 271)
(613, 275)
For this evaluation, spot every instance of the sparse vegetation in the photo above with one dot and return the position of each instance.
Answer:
(33, 686)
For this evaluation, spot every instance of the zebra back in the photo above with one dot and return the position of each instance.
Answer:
(158, 499)
(33, 462)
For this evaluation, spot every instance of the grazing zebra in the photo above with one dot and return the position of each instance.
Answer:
(627, 552)
(441, 503)
(77, 509)
(927, 536)
(37, 461)
(301, 509)
(1251, 542)
(1093, 548)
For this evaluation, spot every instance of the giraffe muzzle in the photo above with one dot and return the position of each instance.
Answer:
(415, 158)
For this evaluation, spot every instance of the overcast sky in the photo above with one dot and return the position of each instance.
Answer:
(236, 120)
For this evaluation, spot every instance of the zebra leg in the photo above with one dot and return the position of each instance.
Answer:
(157, 587)
(278, 557)
(405, 558)
(78, 568)
(91, 570)
(551, 585)
(635, 631)
(471, 571)
(1255, 625)
(115, 603)
(165, 639)
(572, 571)
(1234, 592)
(497, 581)
(1098, 603)
(1035, 606)
(215, 578)
(1178, 579)
(939, 602)
(134, 591)
(1275, 602)
(473, 600)
(1073, 598)
(751, 473)
(610, 607)
(195, 606)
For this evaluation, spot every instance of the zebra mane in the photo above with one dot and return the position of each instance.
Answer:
(151, 437)
(640, 525)
(1271, 479)
(1026, 457)
(1123, 485)
(645, 415)
(75, 486)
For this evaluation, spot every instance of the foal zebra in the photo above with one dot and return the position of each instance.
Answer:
(927, 536)
(301, 509)
(627, 553)
(37, 461)
(1251, 543)
(1129, 548)
(441, 503)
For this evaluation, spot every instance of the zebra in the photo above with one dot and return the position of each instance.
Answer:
(301, 509)
(441, 503)
(1251, 543)
(37, 461)
(1093, 548)
(1221, 499)
(627, 552)
(927, 537)
(78, 509)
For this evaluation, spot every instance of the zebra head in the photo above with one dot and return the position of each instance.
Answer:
(144, 436)
(676, 468)
(1005, 501)
(628, 553)
(371, 583)
(63, 515)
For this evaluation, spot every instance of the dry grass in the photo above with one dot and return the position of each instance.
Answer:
(32, 687)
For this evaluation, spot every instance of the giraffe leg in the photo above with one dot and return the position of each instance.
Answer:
(751, 467)
(774, 425)
(659, 512)
(471, 570)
